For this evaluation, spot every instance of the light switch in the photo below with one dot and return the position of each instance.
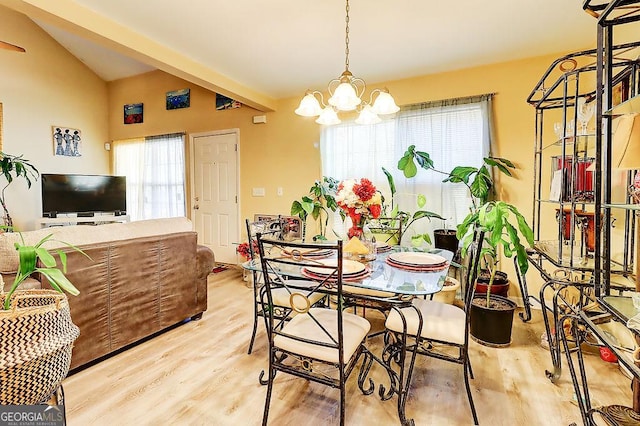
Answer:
(280, 191)
(258, 192)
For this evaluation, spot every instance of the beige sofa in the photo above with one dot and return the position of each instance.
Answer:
(142, 278)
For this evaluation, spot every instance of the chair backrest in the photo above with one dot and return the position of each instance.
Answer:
(267, 227)
(390, 227)
(283, 259)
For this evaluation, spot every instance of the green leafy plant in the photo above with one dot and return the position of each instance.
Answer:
(317, 203)
(502, 222)
(29, 256)
(407, 218)
(13, 167)
(478, 181)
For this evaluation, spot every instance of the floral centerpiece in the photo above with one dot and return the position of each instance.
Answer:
(244, 250)
(361, 201)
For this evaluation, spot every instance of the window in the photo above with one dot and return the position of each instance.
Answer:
(155, 171)
(453, 132)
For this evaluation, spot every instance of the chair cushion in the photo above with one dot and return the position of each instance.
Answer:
(440, 321)
(354, 329)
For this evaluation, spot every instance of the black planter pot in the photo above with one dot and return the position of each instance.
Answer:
(446, 239)
(492, 327)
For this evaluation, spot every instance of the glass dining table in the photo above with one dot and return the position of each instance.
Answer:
(384, 276)
(404, 285)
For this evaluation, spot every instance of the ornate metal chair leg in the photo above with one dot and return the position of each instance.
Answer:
(522, 281)
(554, 347)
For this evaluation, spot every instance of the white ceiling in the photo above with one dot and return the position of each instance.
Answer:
(282, 47)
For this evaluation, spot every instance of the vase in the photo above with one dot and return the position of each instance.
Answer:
(355, 231)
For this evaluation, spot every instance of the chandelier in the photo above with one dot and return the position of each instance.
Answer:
(345, 94)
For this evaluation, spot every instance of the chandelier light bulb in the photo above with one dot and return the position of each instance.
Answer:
(367, 116)
(328, 116)
(309, 106)
(385, 104)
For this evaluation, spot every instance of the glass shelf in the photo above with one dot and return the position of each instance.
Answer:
(632, 106)
(551, 251)
(567, 204)
(584, 142)
(635, 207)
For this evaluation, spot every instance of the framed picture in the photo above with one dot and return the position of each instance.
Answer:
(292, 228)
(222, 102)
(292, 225)
(620, 92)
(178, 99)
(67, 141)
(264, 217)
(133, 113)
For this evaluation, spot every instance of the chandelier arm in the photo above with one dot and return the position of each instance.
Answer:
(360, 86)
(331, 87)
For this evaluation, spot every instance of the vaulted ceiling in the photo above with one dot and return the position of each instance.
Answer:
(259, 51)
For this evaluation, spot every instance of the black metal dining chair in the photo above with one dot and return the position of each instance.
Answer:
(320, 344)
(436, 329)
(275, 228)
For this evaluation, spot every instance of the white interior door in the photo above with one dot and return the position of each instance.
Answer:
(214, 192)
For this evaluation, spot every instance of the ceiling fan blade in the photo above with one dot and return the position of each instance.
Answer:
(9, 46)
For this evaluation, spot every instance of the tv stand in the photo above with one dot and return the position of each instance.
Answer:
(94, 219)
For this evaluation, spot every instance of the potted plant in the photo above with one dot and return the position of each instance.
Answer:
(502, 223)
(491, 314)
(318, 202)
(35, 328)
(392, 213)
(13, 167)
(479, 182)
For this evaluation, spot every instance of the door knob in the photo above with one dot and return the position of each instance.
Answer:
(197, 198)
(196, 207)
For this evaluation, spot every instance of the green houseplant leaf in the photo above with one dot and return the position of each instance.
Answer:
(29, 255)
(12, 167)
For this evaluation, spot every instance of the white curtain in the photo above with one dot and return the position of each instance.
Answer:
(454, 132)
(155, 171)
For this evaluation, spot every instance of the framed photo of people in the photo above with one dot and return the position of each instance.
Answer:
(67, 141)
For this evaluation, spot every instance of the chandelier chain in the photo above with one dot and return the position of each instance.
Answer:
(346, 39)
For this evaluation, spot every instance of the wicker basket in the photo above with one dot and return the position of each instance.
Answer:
(36, 338)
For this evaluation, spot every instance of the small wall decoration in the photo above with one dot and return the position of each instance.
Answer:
(178, 99)
(67, 141)
(292, 224)
(133, 113)
(222, 102)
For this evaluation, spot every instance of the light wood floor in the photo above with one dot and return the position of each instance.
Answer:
(200, 374)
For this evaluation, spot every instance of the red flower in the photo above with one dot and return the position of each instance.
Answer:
(243, 250)
(365, 190)
(375, 210)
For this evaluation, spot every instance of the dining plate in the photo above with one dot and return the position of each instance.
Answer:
(382, 247)
(309, 253)
(418, 268)
(417, 259)
(350, 278)
(349, 267)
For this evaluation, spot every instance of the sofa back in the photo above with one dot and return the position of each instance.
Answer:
(129, 290)
(86, 234)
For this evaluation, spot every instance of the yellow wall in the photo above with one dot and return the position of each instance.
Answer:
(43, 87)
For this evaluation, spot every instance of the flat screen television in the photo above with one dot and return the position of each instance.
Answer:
(83, 194)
